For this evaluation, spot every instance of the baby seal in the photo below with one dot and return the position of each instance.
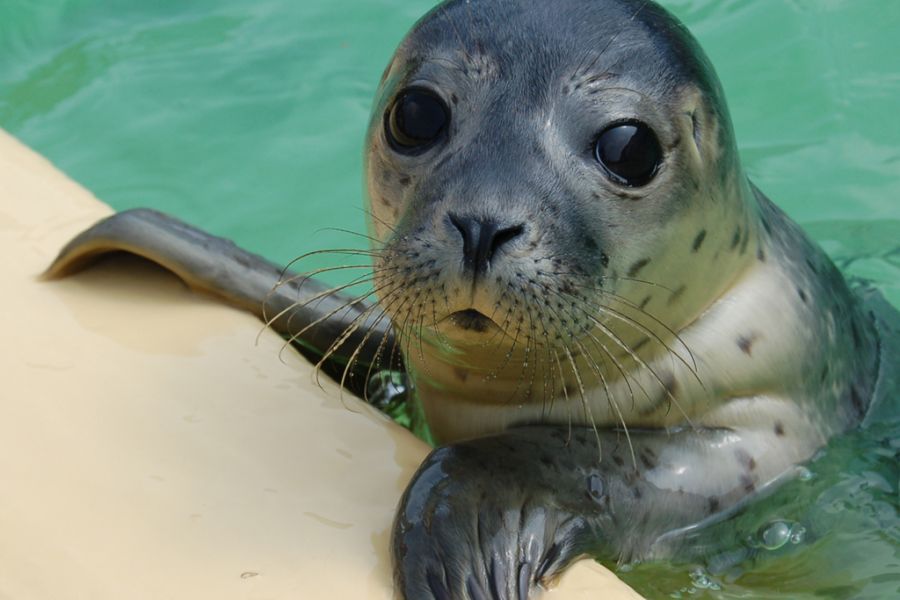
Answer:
(612, 332)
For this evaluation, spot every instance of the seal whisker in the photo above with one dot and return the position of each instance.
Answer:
(636, 357)
(531, 337)
(565, 392)
(359, 347)
(297, 335)
(692, 367)
(369, 213)
(506, 324)
(368, 238)
(383, 304)
(341, 340)
(621, 344)
(368, 277)
(585, 405)
(300, 279)
(596, 367)
(376, 361)
(610, 398)
(342, 251)
(295, 307)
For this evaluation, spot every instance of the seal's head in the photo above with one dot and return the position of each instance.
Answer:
(551, 179)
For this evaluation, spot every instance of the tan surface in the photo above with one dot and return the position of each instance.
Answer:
(149, 449)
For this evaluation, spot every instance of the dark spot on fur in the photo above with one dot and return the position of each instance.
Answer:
(736, 238)
(766, 225)
(779, 429)
(461, 374)
(802, 295)
(855, 332)
(454, 98)
(824, 374)
(698, 241)
(589, 243)
(747, 483)
(713, 505)
(745, 343)
(637, 266)
(745, 460)
(760, 254)
(645, 302)
(618, 460)
(812, 266)
(640, 344)
(857, 402)
(404, 180)
(637, 492)
(677, 294)
(604, 260)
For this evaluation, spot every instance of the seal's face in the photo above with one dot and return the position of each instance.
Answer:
(550, 181)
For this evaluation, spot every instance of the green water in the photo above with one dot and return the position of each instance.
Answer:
(246, 117)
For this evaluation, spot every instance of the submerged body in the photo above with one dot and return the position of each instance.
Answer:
(613, 332)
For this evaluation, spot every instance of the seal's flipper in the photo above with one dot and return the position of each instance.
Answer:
(295, 306)
(497, 517)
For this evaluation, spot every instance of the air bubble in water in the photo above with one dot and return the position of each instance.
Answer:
(702, 581)
(775, 535)
(798, 533)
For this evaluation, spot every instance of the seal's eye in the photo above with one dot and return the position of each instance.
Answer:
(629, 153)
(417, 118)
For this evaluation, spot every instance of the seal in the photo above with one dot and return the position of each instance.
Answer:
(613, 334)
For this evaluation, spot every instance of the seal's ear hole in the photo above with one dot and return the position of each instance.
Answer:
(695, 128)
(629, 153)
(416, 119)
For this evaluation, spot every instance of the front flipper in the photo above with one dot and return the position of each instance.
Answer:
(292, 305)
(495, 518)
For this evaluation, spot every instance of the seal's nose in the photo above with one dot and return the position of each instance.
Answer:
(482, 237)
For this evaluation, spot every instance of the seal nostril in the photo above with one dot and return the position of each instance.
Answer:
(481, 240)
(468, 230)
(505, 235)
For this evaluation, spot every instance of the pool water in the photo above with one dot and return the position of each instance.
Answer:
(246, 118)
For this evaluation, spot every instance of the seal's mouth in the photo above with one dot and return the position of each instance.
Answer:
(471, 320)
